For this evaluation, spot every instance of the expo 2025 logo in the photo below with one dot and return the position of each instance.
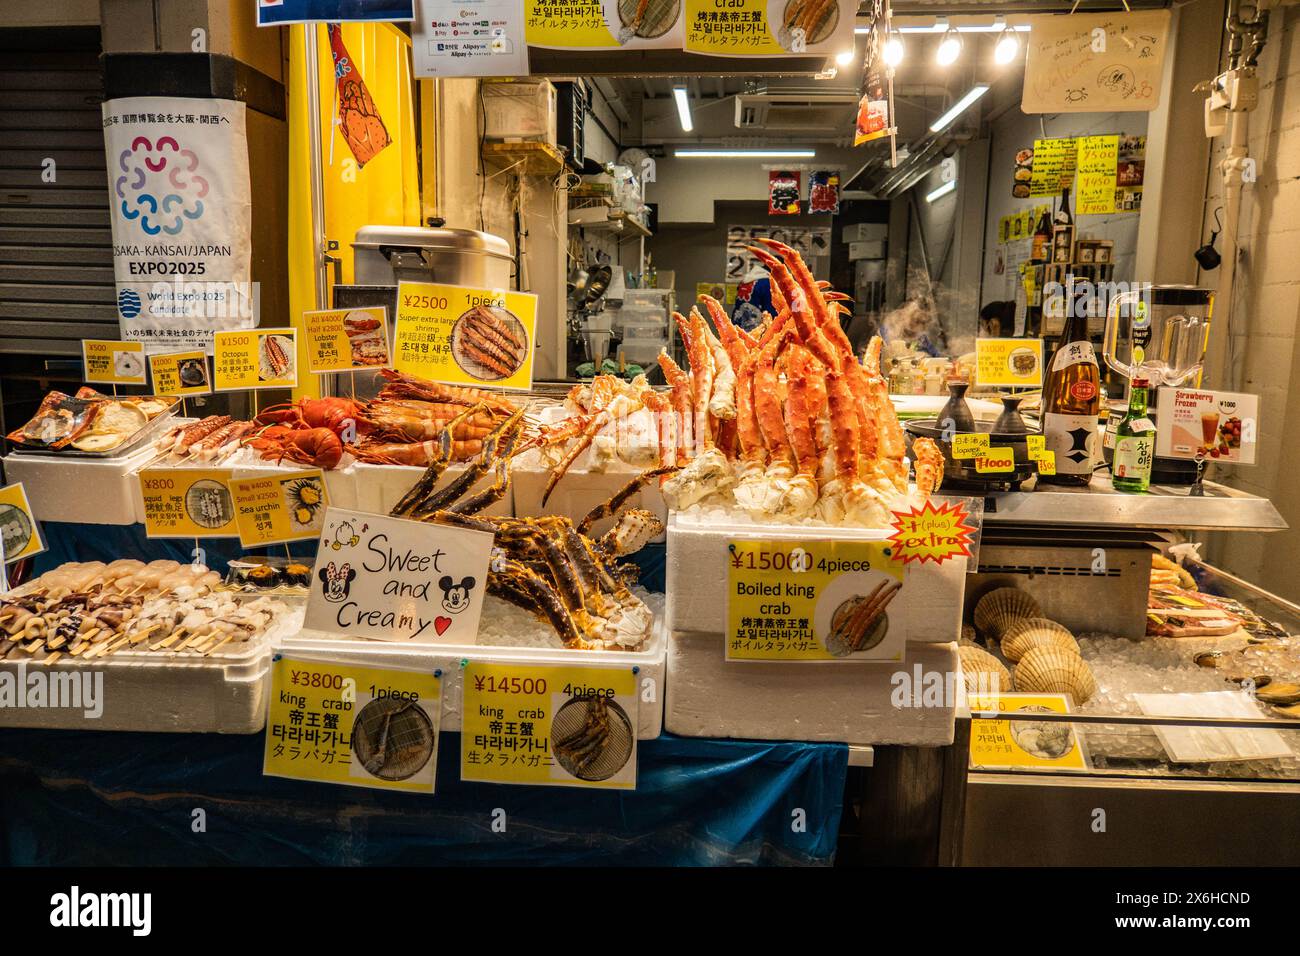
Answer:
(159, 185)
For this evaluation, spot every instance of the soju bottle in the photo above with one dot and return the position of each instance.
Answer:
(1135, 443)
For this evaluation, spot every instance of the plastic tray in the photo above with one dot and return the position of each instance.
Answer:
(151, 430)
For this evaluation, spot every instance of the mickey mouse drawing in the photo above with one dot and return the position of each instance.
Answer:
(337, 581)
(455, 597)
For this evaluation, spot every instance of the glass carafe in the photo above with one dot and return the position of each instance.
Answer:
(1159, 333)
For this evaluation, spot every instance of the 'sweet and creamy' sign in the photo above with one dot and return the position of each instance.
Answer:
(398, 580)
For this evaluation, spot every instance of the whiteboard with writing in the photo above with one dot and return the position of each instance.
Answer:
(1095, 62)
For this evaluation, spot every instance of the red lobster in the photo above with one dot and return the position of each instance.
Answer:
(334, 413)
(307, 446)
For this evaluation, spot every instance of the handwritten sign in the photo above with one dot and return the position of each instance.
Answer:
(398, 580)
(274, 509)
(113, 362)
(1095, 62)
(996, 461)
(187, 503)
(19, 531)
(180, 373)
(549, 725)
(812, 601)
(355, 726)
(932, 533)
(258, 358)
(1023, 743)
(339, 340)
(1054, 164)
(971, 445)
(465, 336)
(1009, 363)
(1097, 171)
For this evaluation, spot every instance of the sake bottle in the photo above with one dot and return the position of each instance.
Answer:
(1071, 400)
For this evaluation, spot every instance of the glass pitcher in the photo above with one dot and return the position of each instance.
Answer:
(1159, 332)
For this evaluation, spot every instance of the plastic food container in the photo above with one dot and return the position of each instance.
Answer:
(56, 486)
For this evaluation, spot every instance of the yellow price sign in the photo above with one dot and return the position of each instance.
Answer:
(1023, 743)
(996, 461)
(1037, 445)
(1098, 172)
(113, 362)
(465, 336)
(274, 509)
(19, 530)
(803, 601)
(970, 445)
(180, 373)
(549, 725)
(740, 29)
(1009, 363)
(256, 358)
(1046, 463)
(187, 503)
(340, 340)
(338, 723)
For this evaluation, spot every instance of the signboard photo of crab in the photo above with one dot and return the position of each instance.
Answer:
(489, 343)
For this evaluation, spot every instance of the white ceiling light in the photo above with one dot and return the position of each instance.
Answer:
(745, 153)
(1007, 49)
(942, 191)
(892, 51)
(944, 121)
(942, 27)
(949, 48)
(845, 58)
(683, 108)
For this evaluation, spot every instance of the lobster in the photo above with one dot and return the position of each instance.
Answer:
(307, 446)
(334, 413)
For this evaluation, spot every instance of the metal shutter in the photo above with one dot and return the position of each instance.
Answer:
(56, 259)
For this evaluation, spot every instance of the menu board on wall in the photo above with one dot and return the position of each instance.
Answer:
(604, 24)
(1054, 164)
(769, 27)
(1095, 62)
(1098, 157)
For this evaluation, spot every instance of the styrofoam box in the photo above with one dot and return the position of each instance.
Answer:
(578, 492)
(377, 488)
(82, 490)
(848, 703)
(929, 605)
(650, 664)
(148, 691)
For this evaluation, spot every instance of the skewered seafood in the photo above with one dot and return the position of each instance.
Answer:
(545, 565)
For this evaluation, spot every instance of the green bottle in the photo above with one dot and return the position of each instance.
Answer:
(1135, 443)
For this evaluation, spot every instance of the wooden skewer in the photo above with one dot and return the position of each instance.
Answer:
(222, 643)
(55, 644)
(76, 650)
(109, 649)
(52, 658)
(144, 633)
(34, 646)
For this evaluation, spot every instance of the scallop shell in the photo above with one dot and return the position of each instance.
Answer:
(1036, 632)
(1279, 693)
(1053, 670)
(976, 661)
(1002, 607)
(967, 635)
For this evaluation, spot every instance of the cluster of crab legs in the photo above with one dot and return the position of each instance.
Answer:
(788, 419)
(547, 565)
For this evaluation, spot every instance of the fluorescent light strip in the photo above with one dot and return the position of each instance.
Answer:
(746, 153)
(683, 108)
(942, 191)
(943, 28)
(944, 121)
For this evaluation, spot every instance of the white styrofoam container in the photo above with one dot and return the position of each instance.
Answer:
(928, 607)
(848, 703)
(377, 488)
(82, 490)
(650, 664)
(148, 691)
(578, 492)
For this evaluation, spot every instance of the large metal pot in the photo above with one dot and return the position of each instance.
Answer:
(386, 255)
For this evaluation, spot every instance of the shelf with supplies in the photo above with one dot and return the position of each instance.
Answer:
(613, 219)
(532, 158)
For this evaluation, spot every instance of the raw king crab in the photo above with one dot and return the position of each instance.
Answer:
(790, 416)
(547, 565)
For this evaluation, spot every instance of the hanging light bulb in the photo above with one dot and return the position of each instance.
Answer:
(1008, 47)
(845, 58)
(892, 51)
(949, 48)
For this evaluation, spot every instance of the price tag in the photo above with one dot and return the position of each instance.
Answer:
(970, 446)
(339, 340)
(19, 529)
(1046, 463)
(1037, 445)
(354, 726)
(187, 503)
(465, 336)
(1009, 363)
(260, 358)
(933, 532)
(1023, 743)
(275, 509)
(113, 363)
(996, 460)
(549, 725)
(813, 601)
(180, 373)
(398, 580)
